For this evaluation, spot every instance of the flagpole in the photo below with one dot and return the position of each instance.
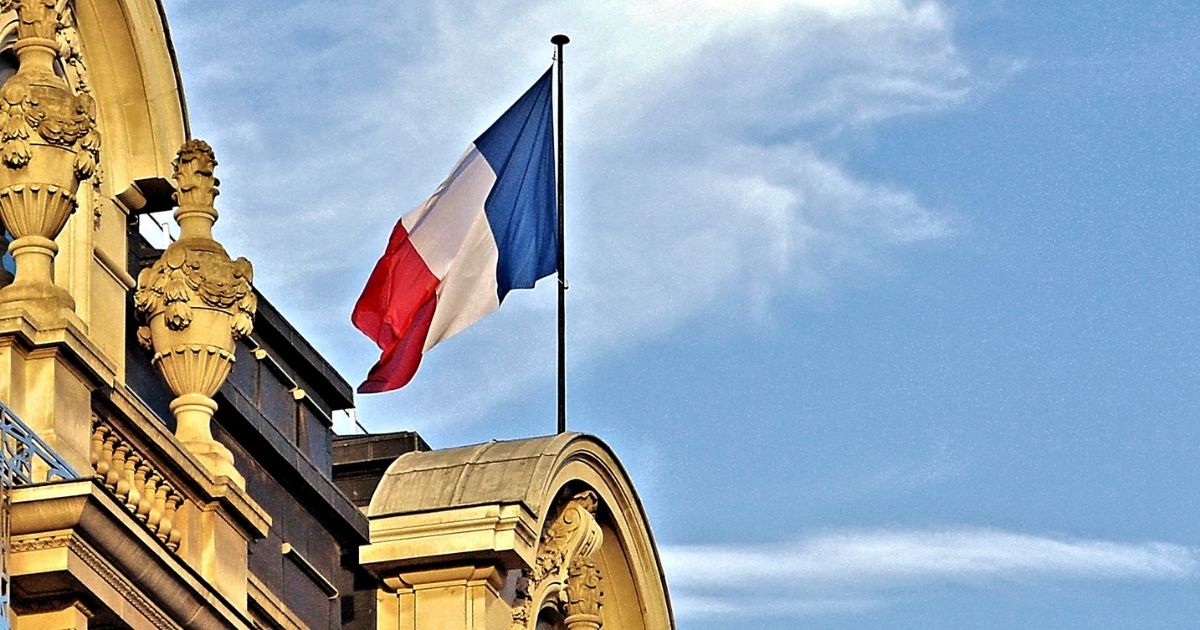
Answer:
(559, 41)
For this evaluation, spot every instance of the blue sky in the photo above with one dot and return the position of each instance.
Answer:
(890, 308)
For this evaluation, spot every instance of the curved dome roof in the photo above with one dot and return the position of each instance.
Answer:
(509, 471)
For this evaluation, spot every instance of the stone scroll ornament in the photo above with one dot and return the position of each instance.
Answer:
(195, 303)
(564, 575)
(48, 145)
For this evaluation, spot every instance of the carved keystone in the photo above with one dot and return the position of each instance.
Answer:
(48, 144)
(196, 302)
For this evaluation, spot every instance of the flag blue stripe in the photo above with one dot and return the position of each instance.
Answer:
(521, 209)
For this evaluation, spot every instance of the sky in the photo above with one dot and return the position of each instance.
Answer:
(889, 308)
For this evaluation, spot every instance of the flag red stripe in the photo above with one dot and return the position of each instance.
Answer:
(395, 311)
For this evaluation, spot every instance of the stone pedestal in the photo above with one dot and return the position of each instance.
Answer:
(446, 598)
(47, 375)
(217, 548)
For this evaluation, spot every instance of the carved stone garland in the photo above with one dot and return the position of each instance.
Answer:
(196, 302)
(77, 73)
(564, 575)
(48, 145)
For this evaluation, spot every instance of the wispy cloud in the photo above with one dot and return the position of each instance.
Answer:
(760, 607)
(850, 571)
(705, 155)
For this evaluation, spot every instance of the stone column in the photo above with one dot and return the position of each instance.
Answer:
(584, 596)
(48, 144)
(196, 302)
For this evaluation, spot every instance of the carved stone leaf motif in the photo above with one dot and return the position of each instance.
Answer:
(522, 603)
(14, 128)
(185, 277)
(194, 168)
(37, 100)
(584, 595)
(61, 118)
(37, 18)
(576, 514)
(88, 160)
(72, 53)
(195, 271)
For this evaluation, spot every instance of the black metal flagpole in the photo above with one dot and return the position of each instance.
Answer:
(559, 41)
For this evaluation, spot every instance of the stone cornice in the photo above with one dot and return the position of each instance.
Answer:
(502, 532)
(20, 324)
(52, 516)
(104, 569)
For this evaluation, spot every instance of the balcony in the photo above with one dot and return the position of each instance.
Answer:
(109, 548)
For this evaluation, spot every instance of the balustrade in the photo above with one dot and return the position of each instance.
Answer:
(143, 491)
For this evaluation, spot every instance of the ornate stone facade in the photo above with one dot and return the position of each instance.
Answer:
(201, 483)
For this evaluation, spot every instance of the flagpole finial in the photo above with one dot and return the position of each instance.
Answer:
(560, 40)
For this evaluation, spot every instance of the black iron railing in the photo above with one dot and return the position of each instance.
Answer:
(24, 459)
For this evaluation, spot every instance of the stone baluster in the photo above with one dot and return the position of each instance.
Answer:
(110, 453)
(173, 535)
(100, 457)
(146, 494)
(116, 477)
(129, 478)
(158, 493)
(141, 490)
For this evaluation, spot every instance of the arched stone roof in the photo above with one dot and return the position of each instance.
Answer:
(509, 471)
(128, 52)
(531, 473)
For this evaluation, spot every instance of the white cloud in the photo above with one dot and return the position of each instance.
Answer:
(716, 606)
(703, 156)
(854, 570)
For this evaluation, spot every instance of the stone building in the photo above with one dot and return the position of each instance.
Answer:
(168, 454)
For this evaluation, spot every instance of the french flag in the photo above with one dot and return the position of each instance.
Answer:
(488, 229)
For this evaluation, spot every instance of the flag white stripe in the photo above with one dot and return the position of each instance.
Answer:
(439, 228)
(468, 290)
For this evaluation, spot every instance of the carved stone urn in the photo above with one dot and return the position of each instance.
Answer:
(48, 144)
(196, 303)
